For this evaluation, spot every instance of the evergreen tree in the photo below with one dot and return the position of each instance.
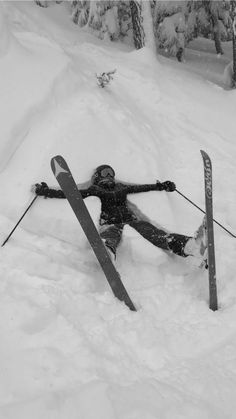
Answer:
(178, 22)
(106, 18)
(124, 18)
(148, 25)
(41, 3)
(80, 12)
(233, 16)
(171, 28)
(137, 23)
(214, 21)
(213, 10)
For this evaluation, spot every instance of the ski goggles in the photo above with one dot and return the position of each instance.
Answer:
(107, 172)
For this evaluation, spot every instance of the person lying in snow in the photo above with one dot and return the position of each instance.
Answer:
(117, 211)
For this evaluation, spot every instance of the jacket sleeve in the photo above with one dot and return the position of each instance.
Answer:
(53, 193)
(58, 193)
(144, 188)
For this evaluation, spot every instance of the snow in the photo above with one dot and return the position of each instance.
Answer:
(69, 349)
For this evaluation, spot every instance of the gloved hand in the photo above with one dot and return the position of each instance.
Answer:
(168, 186)
(41, 189)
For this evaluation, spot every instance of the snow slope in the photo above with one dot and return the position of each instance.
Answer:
(68, 348)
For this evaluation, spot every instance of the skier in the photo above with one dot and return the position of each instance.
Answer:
(117, 211)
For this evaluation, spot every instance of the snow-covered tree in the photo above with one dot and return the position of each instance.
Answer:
(213, 21)
(233, 17)
(108, 19)
(137, 23)
(80, 12)
(148, 25)
(171, 25)
(42, 3)
(218, 17)
(124, 18)
(110, 27)
(178, 22)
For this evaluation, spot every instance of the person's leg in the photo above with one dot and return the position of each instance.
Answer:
(111, 234)
(160, 238)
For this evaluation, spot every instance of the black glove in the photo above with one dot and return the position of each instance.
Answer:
(168, 186)
(41, 189)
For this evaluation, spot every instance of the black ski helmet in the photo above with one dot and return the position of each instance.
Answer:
(97, 175)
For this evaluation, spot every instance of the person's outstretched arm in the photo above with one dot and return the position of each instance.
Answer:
(42, 189)
(167, 186)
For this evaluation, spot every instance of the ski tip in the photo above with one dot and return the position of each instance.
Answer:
(206, 159)
(58, 157)
(204, 154)
(58, 165)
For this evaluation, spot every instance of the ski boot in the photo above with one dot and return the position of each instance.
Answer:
(197, 245)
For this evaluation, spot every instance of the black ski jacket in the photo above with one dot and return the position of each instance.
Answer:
(114, 204)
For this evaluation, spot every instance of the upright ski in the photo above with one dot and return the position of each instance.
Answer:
(213, 304)
(69, 187)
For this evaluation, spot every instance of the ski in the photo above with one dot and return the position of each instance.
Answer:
(66, 181)
(213, 304)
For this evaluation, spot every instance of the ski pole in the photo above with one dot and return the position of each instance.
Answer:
(27, 209)
(191, 202)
